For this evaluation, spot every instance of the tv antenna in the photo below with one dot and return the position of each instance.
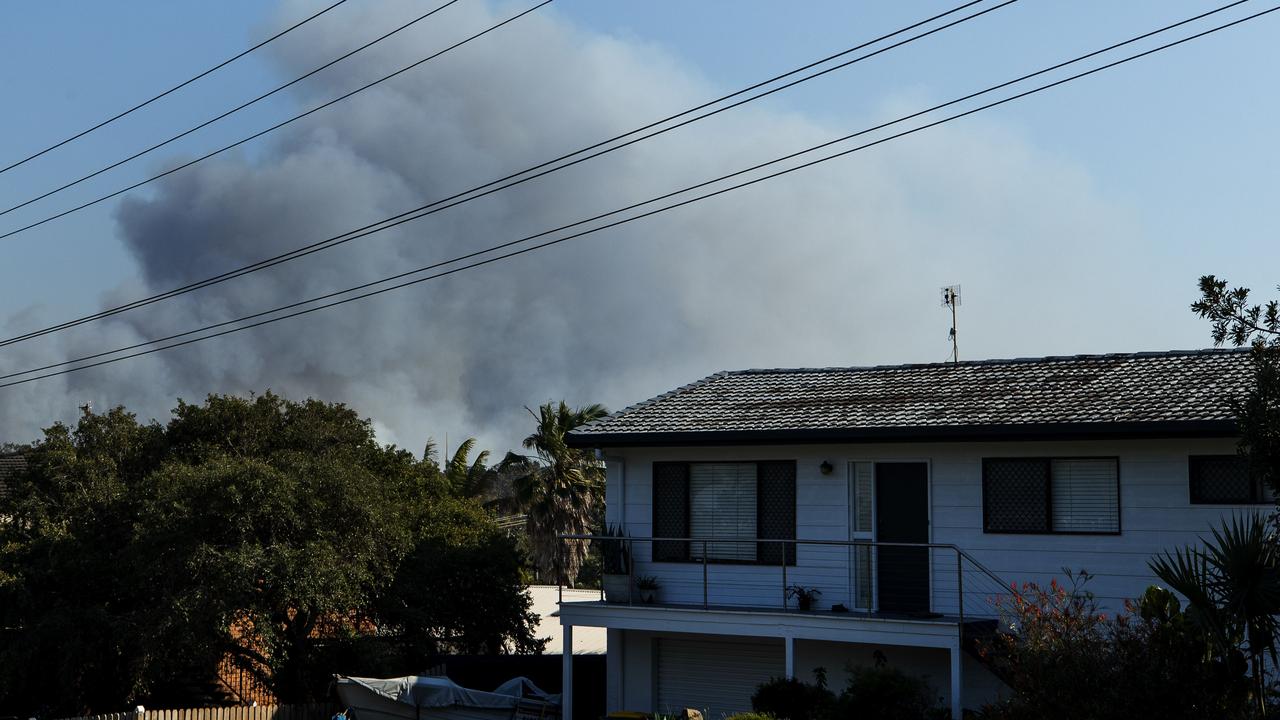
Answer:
(951, 299)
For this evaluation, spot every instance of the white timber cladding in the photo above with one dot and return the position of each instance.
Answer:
(1154, 513)
(722, 504)
(714, 675)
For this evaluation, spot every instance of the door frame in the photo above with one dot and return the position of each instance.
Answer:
(851, 477)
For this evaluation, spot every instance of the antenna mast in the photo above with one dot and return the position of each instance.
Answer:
(951, 299)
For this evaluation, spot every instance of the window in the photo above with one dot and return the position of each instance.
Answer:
(753, 501)
(1045, 495)
(722, 503)
(860, 526)
(1224, 480)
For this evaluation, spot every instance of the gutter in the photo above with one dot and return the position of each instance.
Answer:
(1131, 430)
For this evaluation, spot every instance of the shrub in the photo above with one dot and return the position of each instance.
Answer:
(881, 692)
(794, 699)
(751, 716)
(1069, 660)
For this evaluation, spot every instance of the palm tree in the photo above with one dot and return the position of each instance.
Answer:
(468, 479)
(560, 489)
(473, 480)
(1232, 586)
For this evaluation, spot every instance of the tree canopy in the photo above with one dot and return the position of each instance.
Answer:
(279, 534)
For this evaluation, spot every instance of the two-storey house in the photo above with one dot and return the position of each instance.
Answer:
(911, 497)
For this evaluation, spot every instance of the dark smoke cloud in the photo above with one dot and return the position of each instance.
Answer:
(839, 265)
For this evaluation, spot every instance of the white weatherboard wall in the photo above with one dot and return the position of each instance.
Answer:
(1155, 515)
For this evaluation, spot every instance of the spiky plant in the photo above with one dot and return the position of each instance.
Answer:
(1232, 586)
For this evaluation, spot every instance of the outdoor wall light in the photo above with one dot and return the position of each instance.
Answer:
(825, 468)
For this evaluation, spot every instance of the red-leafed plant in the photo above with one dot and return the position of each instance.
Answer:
(1066, 658)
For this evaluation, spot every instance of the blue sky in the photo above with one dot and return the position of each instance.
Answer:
(1179, 148)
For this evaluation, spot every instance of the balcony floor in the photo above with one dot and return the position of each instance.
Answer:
(933, 618)
(874, 627)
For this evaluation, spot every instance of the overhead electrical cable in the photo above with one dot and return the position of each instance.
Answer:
(171, 90)
(616, 223)
(256, 135)
(510, 181)
(225, 114)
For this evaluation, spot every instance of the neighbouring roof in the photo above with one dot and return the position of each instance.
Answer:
(10, 465)
(1153, 394)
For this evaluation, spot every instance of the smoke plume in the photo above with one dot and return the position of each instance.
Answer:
(838, 265)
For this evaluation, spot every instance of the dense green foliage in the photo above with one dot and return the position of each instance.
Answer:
(883, 692)
(138, 556)
(794, 699)
(875, 692)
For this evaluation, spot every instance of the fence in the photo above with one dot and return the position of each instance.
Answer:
(314, 711)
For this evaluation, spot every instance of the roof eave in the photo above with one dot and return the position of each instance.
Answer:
(951, 433)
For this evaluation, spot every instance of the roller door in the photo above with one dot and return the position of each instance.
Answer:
(716, 676)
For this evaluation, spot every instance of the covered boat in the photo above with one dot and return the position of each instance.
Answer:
(419, 697)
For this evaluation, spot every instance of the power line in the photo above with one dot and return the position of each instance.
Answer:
(616, 223)
(232, 111)
(449, 202)
(270, 129)
(171, 90)
(510, 181)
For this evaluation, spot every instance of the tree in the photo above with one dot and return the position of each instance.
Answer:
(259, 529)
(468, 479)
(67, 592)
(561, 490)
(1242, 590)
(441, 603)
(1257, 412)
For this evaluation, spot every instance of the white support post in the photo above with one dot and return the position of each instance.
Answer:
(566, 672)
(790, 644)
(957, 692)
(615, 660)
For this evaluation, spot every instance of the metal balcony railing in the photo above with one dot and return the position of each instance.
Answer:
(858, 578)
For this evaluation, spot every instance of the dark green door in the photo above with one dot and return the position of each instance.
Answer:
(902, 515)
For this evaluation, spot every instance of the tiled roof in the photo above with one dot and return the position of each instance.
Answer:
(1165, 393)
(10, 465)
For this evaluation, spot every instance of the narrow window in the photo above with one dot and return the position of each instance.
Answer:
(1085, 496)
(1224, 480)
(1015, 495)
(671, 511)
(776, 511)
(861, 529)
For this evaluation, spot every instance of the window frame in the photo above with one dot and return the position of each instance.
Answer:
(1048, 460)
(1193, 498)
(790, 553)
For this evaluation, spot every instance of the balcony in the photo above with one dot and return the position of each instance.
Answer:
(927, 589)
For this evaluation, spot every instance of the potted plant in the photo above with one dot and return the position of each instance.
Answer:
(647, 586)
(804, 595)
(615, 562)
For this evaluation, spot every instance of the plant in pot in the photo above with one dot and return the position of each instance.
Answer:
(647, 586)
(804, 595)
(615, 562)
